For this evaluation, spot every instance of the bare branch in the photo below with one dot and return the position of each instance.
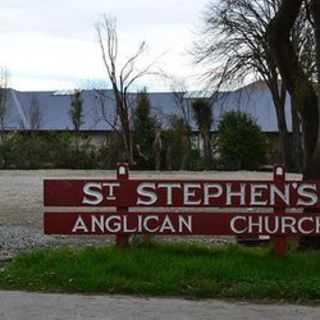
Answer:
(3, 97)
(121, 82)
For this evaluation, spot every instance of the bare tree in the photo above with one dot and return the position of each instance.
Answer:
(235, 43)
(179, 90)
(300, 86)
(3, 97)
(315, 7)
(3, 117)
(121, 77)
(35, 114)
(296, 79)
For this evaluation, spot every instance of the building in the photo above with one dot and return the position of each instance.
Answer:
(49, 110)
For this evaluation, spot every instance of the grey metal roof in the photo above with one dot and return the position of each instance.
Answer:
(54, 108)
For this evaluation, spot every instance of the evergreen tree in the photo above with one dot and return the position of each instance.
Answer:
(203, 117)
(76, 115)
(241, 143)
(76, 111)
(178, 147)
(144, 132)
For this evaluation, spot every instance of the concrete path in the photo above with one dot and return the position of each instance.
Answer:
(30, 306)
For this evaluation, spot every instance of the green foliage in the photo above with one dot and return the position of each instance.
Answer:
(168, 270)
(112, 152)
(144, 132)
(76, 112)
(240, 142)
(32, 150)
(28, 151)
(202, 114)
(5, 149)
(177, 145)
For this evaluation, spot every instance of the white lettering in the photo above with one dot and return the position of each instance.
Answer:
(233, 225)
(167, 225)
(96, 196)
(256, 194)
(149, 196)
(301, 228)
(255, 224)
(80, 226)
(189, 194)
(111, 188)
(288, 223)
(97, 223)
(317, 228)
(207, 195)
(113, 224)
(185, 223)
(126, 228)
(148, 220)
(169, 187)
(283, 195)
(268, 227)
(240, 194)
(309, 193)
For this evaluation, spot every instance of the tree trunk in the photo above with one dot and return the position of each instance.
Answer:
(186, 147)
(279, 97)
(300, 88)
(207, 150)
(127, 136)
(295, 80)
(312, 167)
(283, 134)
(169, 158)
(316, 17)
(157, 146)
(296, 142)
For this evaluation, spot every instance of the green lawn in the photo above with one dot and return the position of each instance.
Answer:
(165, 270)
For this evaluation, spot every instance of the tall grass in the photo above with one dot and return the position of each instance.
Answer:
(168, 270)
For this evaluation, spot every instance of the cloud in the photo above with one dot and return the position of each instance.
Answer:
(56, 41)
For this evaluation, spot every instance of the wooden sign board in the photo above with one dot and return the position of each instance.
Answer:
(181, 224)
(169, 193)
(124, 193)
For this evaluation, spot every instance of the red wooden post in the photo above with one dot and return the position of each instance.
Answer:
(279, 242)
(122, 240)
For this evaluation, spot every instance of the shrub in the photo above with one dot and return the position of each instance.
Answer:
(177, 145)
(31, 150)
(202, 112)
(241, 144)
(144, 124)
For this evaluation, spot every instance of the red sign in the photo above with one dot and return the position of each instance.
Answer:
(77, 193)
(123, 193)
(181, 224)
(169, 193)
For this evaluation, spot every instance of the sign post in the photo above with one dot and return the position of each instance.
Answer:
(279, 242)
(122, 240)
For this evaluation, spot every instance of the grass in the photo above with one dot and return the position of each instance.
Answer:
(168, 270)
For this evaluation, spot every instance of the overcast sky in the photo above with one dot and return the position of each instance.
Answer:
(52, 44)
